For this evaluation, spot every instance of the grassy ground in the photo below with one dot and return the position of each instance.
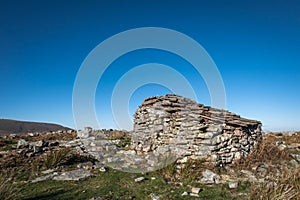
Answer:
(120, 185)
(168, 183)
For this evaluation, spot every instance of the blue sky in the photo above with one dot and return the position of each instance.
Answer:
(255, 45)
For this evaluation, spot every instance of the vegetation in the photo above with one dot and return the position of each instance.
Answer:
(54, 159)
(8, 191)
(265, 153)
(281, 182)
(286, 187)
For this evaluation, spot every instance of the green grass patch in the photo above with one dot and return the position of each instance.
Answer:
(119, 185)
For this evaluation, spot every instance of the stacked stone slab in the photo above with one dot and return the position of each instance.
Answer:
(192, 130)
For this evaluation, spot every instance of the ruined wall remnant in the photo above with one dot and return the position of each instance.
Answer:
(193, 130)
(172, 128)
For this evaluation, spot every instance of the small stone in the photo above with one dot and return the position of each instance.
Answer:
(40, 143)
(184, 194)
(210, 177)
(194, 195)
(296, 157)
(147, 148)
(102, 169)
(85, 165)
(139, 179)
(195, 190)
(30, 134)
(22, 144)
(154, 197)
(249, 175)
(37, 149)
(237, 155)
(282, 147)
(294, 163)
(84, 133)
(69, 131)
(201, 136)
(233, 184)
(47, 171)
(30, 154)
(262, 171)
(183, 160)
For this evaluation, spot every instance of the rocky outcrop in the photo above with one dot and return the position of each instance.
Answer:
(193, 130)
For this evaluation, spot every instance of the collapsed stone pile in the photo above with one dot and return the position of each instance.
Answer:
(193, 130)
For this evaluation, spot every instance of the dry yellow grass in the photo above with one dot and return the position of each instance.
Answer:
(286, 187)
(266, 152)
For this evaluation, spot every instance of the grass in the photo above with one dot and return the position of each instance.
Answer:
(117, 185)
(124, 142)
(265, 153)
(8, 191)
(281, 183)
(56, 158)
(125, 139)
(286, 187)
(196, 167)
(168, 183)
(7, 145)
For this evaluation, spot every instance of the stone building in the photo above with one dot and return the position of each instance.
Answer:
(173, 128)
(192, 130)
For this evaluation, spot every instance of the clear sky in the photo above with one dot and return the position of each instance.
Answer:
(254, 43)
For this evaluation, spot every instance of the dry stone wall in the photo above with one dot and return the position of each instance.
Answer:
(192, 130)
(172, 128)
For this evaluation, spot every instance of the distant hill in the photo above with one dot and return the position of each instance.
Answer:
(8, 126)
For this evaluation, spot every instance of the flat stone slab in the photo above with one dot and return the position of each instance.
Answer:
(74, 175)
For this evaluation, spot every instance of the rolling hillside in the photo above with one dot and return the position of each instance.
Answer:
(8, 126)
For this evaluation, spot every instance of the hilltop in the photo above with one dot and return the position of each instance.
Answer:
(8, 126)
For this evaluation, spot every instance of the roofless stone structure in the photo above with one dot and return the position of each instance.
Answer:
(193, 130)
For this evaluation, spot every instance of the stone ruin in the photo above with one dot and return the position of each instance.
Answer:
(194, 130)
(173, 128)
